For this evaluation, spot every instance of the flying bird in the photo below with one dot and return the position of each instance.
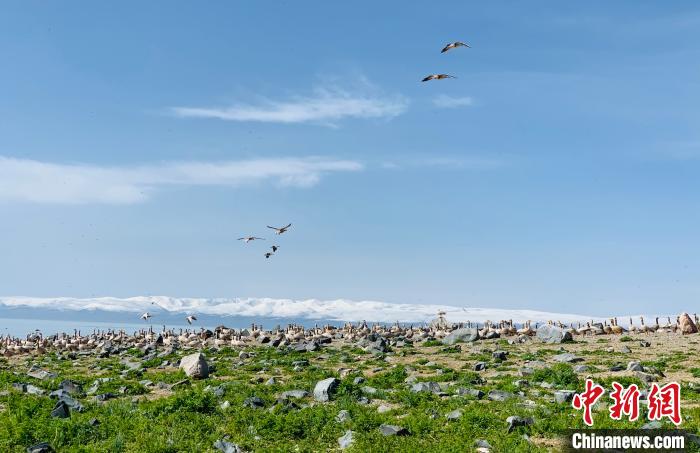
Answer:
(146, 316)
(251, 238)
(268, 254)
(191, 318)
(438, 77)
(274, 248)
(454, 45)
(280, 230)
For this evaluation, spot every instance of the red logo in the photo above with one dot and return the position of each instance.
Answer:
(665, 402)
(587, 399)
(626, 402)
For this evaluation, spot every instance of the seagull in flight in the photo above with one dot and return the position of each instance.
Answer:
(280, 230)
(251, 238)
(438, 77)
(454, 45)
(191, 318)
(146, 316)
(274, 248)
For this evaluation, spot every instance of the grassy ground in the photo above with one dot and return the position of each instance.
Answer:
(146, 417)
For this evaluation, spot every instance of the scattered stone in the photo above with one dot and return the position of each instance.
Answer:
(635, 366)
(42, 447)
(553, 334)
(105, 396)
(686, 324)
(625, 350)
(38, 373)
(567, 357)
(454, 415)
(358, 380)
(324, 390)
(271, 381)
(195, 366)
(646, 377)
(218, 391)
(644, 344)
(581, 369)
(392, 430)
(61, 410)
(432, 387)
(369, 390)
(227, 447)
(481, 443)
(514, 421)
(521, 383)
(34, 390)
(653, 425)
(384, 408)
(294, 394)
(253, 402)
(479, 366)
(499, 355)
(476, 393)
(564, 396)
(500, 395)
(617, 367)
(71, 387)
(345, 441)
(343, 416)
(363, 400)
(463, 335)
(225, 405)
(179, 384)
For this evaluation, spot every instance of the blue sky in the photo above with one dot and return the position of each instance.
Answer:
(559, 171)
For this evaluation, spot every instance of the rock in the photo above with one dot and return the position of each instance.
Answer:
(343, 416)
(454, 415)
(42, 447)
(463, 335)
(358, 380)
(363, 400)
(478, 394)
(553, 334)
(195, 366)
(383, 408)
(312, 346)
(294, 394)
(567, 357)
(392, 430)
(227, 447)
(500, 395)
(625, 350)
(564, 396)
(225, 405)
(646, 377)
(609, 349)
(38, 373)
(581, 369)
(71, 387)
(105, 396)
(499, 355)
(369, 390)
(479, 366)
(34, 390)
(635, 366)
(61, 410)
(378, 346)
(514, 421)
(653, 425)
(324, 390)
(481, 443)
(253, 402)
(686, 324)
(432, 387)
(617, 367)
(93, 422)
(345, 441)
(179, 384)
(644, 344)
(270, 381)
(243, 355)
(521, 383)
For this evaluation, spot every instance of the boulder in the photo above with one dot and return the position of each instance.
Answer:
(195, 366)
(346, 440)
(500, 395)
(499, 355)
(514, 421)
(567, 357)
(324, 390)
(553, 334)
(43, 447)
(61, 410)
(454, 415)
(686, 324)
(294, 394)
(463, 335)
(476, 393)
(227, 447)
(253, 402)
(432, 387)
(392, 430)
(635, 366)
(479, 366)
(564, 396)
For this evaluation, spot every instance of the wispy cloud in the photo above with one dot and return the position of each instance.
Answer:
(326, 106)
(444, 101)
(447, 162)
(42, 182)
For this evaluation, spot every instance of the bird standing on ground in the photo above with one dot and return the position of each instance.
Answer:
(280, 230)
(146, 316)
(191, 318)
(438, 77)
(251, 238)
(454, 45)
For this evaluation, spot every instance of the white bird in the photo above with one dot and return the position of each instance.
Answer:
(280, 230)
(454, 45)
(146, 316)
(438, 77)
(191, 318)
(250, 238)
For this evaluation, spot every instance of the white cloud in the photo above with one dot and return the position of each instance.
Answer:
(447, 162)
(326, 106)
(444, 101)
(42, 182)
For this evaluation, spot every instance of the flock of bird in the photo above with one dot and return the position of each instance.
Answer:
(222, 336)
(448, 47)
